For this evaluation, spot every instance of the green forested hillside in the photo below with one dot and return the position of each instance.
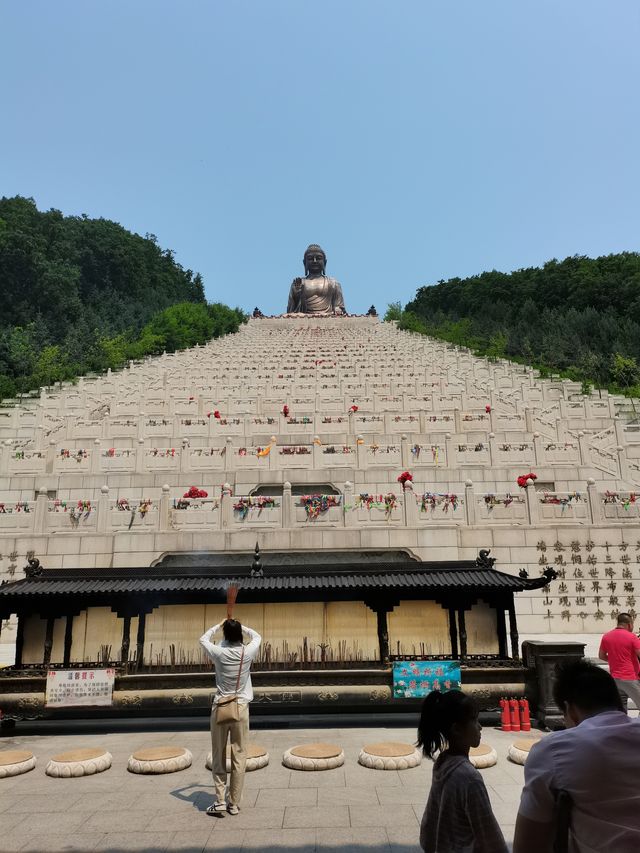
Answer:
(80, 294)
(579, 317)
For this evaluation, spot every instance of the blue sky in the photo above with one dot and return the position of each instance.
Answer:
(414, 141)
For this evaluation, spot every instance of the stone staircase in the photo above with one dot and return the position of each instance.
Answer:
(297, 430)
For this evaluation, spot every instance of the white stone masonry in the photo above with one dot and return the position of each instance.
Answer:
(297, 430)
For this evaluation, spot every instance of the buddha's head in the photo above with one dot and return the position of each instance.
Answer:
(315, 260)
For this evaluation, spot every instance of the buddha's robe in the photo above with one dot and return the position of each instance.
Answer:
(319, 295)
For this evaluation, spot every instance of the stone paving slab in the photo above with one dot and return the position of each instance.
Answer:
(373, 840)
(274, 797)
(316, 816)
(350, 809)
(347, 796)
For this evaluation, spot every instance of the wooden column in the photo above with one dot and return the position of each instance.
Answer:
(383, 635)
(453, 632)
(142, 618)
(502, 632)
(513, 630)
(68, 637)
(462, 633)
(126, 639)
(20, 639)
(381, 608)
(48, 641)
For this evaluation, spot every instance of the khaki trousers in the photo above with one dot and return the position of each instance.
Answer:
(629, 690)
(238, 732)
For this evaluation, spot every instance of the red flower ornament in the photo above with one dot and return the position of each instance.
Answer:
(404, 478)
(522, 479)
(194, 492)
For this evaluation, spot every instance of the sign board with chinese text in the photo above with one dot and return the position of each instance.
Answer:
(414, 679)
(72, 688)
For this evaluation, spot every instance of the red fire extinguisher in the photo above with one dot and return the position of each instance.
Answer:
(515, 715)
(525, 717)
(505, 723)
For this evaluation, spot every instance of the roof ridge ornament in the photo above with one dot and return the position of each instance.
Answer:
(33, 568)
(256, 566)
(483, 560)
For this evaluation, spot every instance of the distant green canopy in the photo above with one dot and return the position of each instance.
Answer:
(579, 317)
(80, 295)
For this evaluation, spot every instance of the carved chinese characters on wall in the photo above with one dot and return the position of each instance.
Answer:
(595, 582)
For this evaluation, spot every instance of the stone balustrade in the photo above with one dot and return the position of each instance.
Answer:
(124, 515)
(17, 516)
(62, 516)
(234, 452)
(443, 508)
(501, 508)
(562, 507)
(197, 514)
(260, 511)
(322, 398)
(620, 506)
(410, 507)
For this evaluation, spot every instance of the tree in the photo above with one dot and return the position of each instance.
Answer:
(17, 349)
(625, 371)
(52, 366)
(393, 312)
(497, 346)
(113, 352)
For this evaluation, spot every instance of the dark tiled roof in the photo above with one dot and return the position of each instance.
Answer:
(140, 581)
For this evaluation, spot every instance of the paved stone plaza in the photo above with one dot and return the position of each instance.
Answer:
(347, 809)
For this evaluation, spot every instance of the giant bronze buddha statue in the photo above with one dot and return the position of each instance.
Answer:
(316, 293)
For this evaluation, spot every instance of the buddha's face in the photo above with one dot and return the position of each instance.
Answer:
(314, 262)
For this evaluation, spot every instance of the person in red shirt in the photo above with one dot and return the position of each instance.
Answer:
(620, 648)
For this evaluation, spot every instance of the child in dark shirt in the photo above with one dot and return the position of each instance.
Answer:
(458, 817)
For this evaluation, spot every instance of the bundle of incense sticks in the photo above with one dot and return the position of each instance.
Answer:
(232, 594)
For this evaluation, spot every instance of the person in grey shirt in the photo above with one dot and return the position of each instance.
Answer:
(581, 785)
(232, 662)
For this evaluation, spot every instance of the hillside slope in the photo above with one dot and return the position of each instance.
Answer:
(80, 294)
(580, 317)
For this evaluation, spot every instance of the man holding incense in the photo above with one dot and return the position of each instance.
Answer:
(230, 709)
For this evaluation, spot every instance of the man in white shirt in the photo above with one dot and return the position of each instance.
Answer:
(594, 762)
(232, 662)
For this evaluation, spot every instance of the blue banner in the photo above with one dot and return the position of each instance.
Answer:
(414, 679)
